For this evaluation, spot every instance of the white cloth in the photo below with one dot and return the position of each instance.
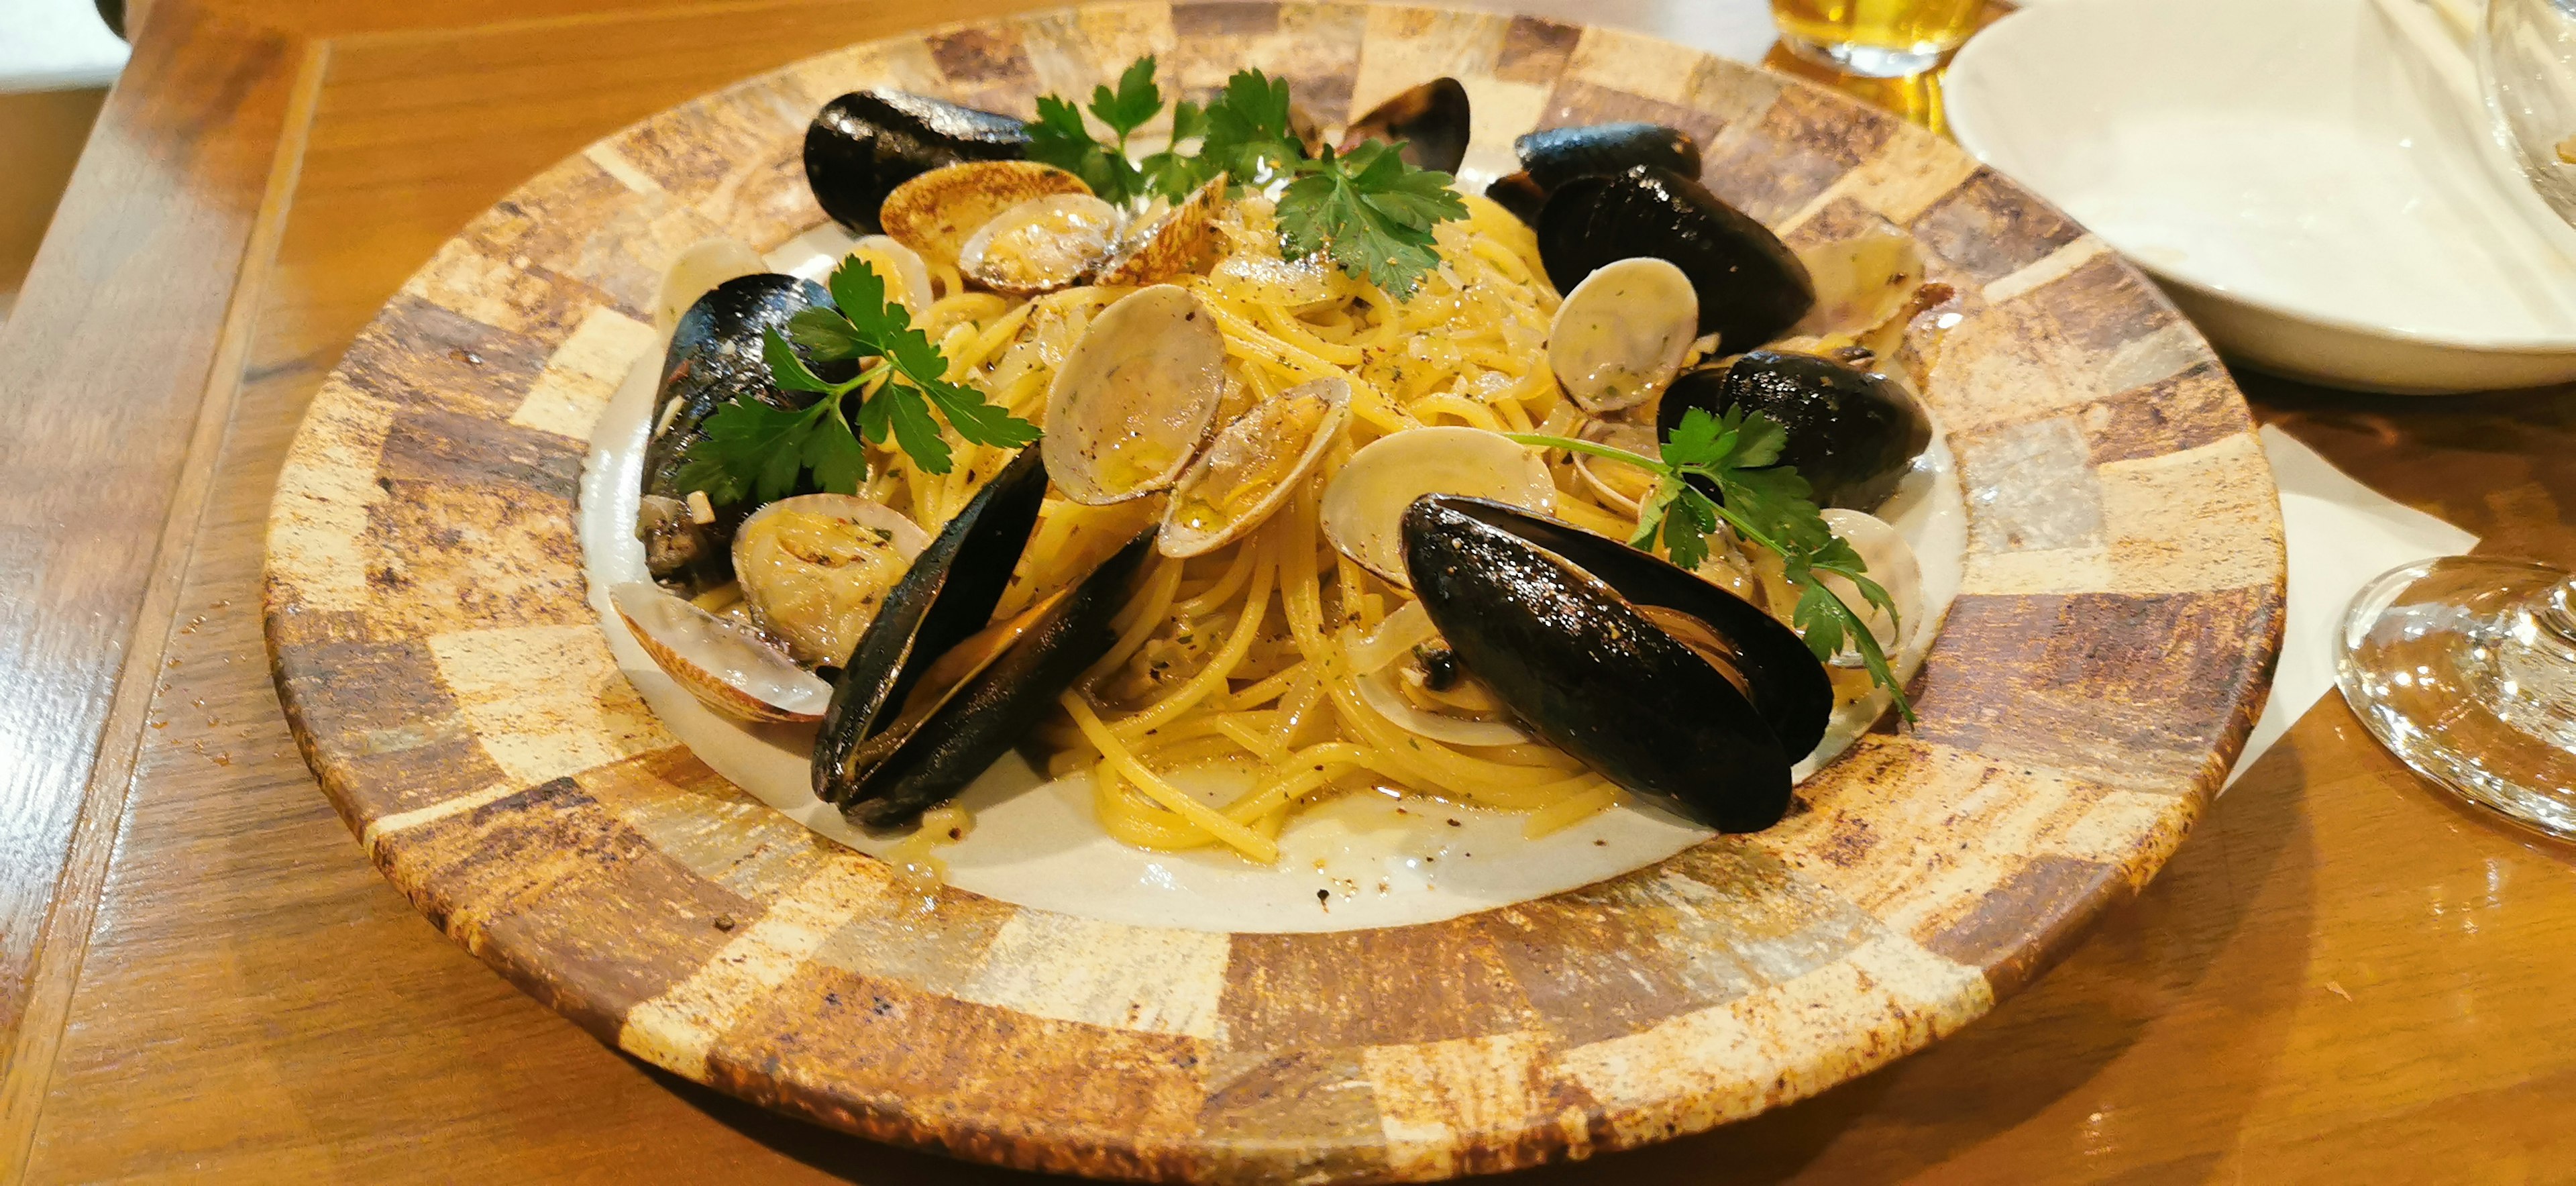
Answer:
(2340, 534)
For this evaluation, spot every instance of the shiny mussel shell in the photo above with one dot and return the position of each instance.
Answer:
(1852, 434)
(1771, 664)
(942, 745)
(946, 597)
(1553, 156)
(866, 143)
(1431, 121)
(1750, 285)
(1593, 673)
(714, 358)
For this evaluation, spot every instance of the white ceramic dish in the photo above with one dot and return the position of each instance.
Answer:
(2309, 190)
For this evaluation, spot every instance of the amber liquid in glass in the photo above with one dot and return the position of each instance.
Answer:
(1879, 38)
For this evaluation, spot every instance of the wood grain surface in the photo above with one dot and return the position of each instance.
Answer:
(2340, 977)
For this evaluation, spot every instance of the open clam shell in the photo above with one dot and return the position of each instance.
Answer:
(1134, 400)
(936, 212)
(726, 667)
(1363, 506)
(1382, 659)
(1041, 245)
(696, 270)
(1621, 335)
(1888, 560)
(1252, 467)
(907, 278)
(815, 568)
(1172, 244)
(1618, 483)
(1862, 281)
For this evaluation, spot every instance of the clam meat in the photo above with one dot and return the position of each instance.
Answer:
(814, 568)
(1135, 398)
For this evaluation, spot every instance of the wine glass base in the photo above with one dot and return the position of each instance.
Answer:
(1868, 61)
(2454, 665)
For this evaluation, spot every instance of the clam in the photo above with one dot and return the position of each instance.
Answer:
(1888, 560)
(1429, 121)
(1621, 335)
(1363, 506)
(1553, 156)
(1254, 464)
(1170, 245)
(1135, 397)
(865, 143)
(946, 597)
(1851, 434)
(714, 359)
(1660, 681)
(907, 278)
(1750, 286)
(1618, 483)
(814, 569)
(1408, 675)
(938, 211)
(726, 667)
(1040, 245)
(698, 268)
(1862, 282)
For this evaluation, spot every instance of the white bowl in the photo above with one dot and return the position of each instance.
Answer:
(2306, 188)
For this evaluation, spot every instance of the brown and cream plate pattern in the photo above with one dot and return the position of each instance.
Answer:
(452, 688)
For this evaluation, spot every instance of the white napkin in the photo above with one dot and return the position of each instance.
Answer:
(2341, 534)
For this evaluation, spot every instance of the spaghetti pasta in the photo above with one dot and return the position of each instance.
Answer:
(1238, 657)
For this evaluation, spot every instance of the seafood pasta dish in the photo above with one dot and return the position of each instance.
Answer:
(1143, 439)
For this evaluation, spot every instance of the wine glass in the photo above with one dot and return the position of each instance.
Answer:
(2465, 667)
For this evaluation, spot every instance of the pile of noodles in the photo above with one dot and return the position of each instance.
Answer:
(1238, 656)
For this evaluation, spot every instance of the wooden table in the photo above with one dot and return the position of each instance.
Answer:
(2344, 977)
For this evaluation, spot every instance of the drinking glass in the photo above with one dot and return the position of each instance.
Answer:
(2465, 667)
(1875, 38)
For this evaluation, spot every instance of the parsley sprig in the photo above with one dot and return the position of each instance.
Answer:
(1737, 453)
(753, 449)
(1368, 210)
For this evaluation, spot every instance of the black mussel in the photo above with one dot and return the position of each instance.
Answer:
(1520, 195)
(1765, 658)
(865, 143)
(946, 597)
(1430, 120)
(1751, 286)
(1852, 434)
(1596, 674)
(1001, 689)
(714, 359)
(1555, 156)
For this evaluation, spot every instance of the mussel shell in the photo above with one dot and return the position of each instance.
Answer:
(989, 713)
(944, 598)
(865, 143)
(1431, 121)
(714, 358)
(1851, 434)
(1789, 686)
(1520, 195)
(1581, 666)
(1751, 286)
(1554, 156)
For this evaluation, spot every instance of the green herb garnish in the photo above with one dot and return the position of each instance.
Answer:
(753, 449)
(1766, 503)
(1372, 212)
(1367, 209)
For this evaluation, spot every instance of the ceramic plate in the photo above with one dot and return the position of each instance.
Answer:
(2118, 608)
(2312, 188)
